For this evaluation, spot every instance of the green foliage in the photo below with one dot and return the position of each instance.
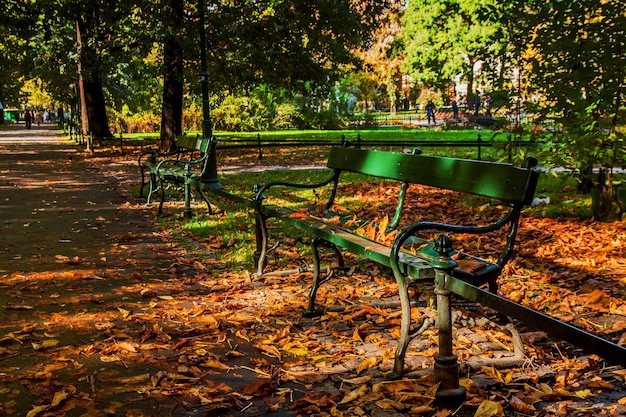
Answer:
(245, 113)
(581, 80)
(446, 38)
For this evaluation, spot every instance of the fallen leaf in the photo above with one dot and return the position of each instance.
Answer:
(127, 346)
(258, 389)
(355, 394)
(59, 397)
(489, 408)
(520, 406)
(38, 409)
(366, 364)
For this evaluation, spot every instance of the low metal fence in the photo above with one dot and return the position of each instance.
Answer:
(260, 143)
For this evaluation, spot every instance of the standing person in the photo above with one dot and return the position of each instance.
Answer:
(455, 110)
(430, 111)
(488, 101)
(476, 103)
(28, 119)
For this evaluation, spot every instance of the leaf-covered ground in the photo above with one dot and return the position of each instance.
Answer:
(107, 310)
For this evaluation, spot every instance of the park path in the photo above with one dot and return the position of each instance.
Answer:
(73, 253)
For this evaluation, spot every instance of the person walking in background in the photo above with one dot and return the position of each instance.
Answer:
(430, 111)
(28, 119)
(455, 110)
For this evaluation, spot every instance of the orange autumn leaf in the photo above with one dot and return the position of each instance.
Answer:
(366, 364)
(355, 394)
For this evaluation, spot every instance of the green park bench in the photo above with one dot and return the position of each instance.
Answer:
(413, 258)
(180, 170)
(410, 257)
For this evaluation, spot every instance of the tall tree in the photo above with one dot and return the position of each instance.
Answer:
(578, 57)
(17, 26)
(383, 57)
(447, 38)
(173, 73)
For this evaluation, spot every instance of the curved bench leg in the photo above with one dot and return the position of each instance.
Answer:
(260, 255)
(162, 195)
(405, 327)
(152, 187)
(318, 280)
(205, 198)
(143, 180)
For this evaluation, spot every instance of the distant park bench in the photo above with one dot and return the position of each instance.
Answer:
(410, 257)
(180, 170)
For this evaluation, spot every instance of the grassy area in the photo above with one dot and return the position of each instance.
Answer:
(296, 153)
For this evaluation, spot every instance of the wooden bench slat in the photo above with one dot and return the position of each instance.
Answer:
(418, 264)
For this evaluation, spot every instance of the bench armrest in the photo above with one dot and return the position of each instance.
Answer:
(510, 219)
(260, 189)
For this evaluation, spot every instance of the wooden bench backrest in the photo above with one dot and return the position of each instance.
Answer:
(494, 180)
(195, 143)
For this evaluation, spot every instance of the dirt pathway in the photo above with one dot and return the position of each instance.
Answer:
(73, 257)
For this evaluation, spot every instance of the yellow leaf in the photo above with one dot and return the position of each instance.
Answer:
(45, 344)
(297, 351)
(508, 378)
(59, 397)
(110, 358)
(127, 346)
(489, 408)
(366, 364)
(356, 336)
(50, 342)
(38, 409)
(585, 392)
(242, 336)
(546, 388)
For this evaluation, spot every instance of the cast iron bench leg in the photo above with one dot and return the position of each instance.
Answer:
(405, 328)
(446, 364)
(317, 271)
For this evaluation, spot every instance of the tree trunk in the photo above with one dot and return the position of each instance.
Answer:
(84, 120)
(470, 82)
(1, 105)
(96, 107)
(94, 118)
(172, 108)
